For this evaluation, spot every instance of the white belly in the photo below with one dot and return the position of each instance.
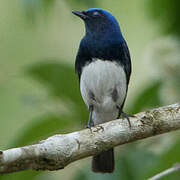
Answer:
(98, 82)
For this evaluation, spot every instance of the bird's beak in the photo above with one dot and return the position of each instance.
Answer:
(80, 14)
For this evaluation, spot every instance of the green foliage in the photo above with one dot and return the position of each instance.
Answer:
(81, 3)
(41, 128)
(34, 8)
(147, 98)
(167, 13)
(129, 165)
(27, 175)
(61, 82)
(166, 160)
(59, 78)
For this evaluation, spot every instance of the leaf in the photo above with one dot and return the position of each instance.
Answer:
(41, 128)
(167, 160)
(61, 82)
(134, 162)
(167, 14)
(27, 175)
(59, 78)
(148, 98)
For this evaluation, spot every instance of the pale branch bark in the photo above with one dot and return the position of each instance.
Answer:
(174, 168)
(58, 151)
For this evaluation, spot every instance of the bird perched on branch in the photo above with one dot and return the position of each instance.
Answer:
(103, 66)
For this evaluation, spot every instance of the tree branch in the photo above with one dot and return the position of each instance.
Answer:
(175, 167)
(58, 151)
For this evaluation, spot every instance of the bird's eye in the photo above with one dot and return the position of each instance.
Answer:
(96, 13)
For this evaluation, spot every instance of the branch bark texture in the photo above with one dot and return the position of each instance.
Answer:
(58, 151)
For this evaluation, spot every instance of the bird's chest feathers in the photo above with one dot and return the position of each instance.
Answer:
(103, 83)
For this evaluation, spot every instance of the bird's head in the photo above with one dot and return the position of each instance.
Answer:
(100, 24)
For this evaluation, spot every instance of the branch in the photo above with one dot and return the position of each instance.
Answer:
(175, 167)
(58, 151)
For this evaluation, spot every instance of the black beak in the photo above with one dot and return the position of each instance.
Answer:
(80, 14)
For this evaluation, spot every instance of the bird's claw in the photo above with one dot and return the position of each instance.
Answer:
(98, 127)
(88, 127)
(126, 116)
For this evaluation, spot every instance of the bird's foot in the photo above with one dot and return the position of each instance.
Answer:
(88, 127)
(91, 124)
(90, 120)
(99, 128)
(127, 116)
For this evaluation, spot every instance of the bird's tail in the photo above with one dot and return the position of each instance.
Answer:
(103, 162)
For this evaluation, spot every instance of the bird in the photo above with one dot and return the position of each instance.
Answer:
(103, 65)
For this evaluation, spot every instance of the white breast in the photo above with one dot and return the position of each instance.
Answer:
(98, 81)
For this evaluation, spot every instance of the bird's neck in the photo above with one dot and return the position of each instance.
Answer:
(103, 48)
(105, 35)
(101, 40)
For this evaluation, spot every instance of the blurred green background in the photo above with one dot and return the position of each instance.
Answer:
(39, 91)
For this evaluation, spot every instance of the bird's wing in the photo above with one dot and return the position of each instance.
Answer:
(78, 68)
(126, 60)
(82, 58)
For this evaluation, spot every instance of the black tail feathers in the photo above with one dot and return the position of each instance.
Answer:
(103, 162)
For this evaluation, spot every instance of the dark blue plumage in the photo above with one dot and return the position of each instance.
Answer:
(113, 51)
(104, 40)
(103, 65)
